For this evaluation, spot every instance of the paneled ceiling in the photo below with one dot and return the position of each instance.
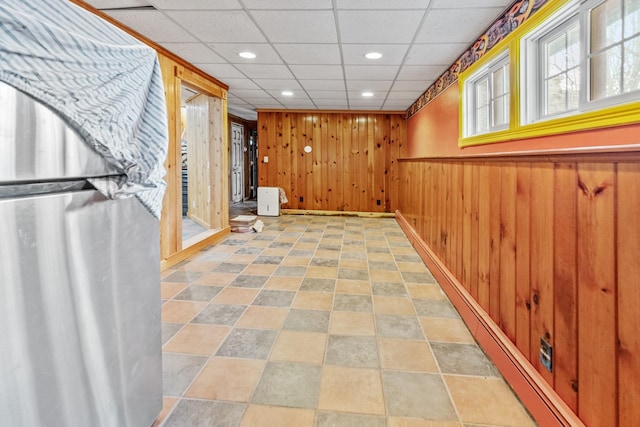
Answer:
(313, 48)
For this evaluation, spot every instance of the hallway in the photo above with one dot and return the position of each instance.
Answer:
(321, 321)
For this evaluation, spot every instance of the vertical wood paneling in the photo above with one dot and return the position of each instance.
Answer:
(495, 179)
(542, 253)
(507, 265)
(628, 263)
(316, 154)
(287, 151)
(466, 227)
(296, 148)
(324, 162)
(475, 229)
(596, 278)
(565, 284)
(484, 237)
(523, 259)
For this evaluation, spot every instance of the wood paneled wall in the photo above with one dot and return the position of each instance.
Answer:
(352, 166)
(550, 248)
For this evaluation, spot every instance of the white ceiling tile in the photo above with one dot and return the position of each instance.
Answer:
(316, 72)
(255, 71)
(466, 4)
(241, 84)
(331, 103)
(420, 72)
(366, 105)
(278, 84)
(392, 54)
(327, 94)
(195, 52)
(410, 85)
(356, 95)
(219, 26)
(435, 53)
(297, 26)
(322, 84)
(396, 105)
(297, 94)
(294, 103)
(288, 4)
(264, 102)
(382, 4)
(408, 96)
(116, 4)
(221, 71)
(384, 85)
(245, 113)
(294, 53)
(371, 72)
(265, 54)
(389, 26)
(249, 93)
(152, 24)
(195, 4)
(458, 26)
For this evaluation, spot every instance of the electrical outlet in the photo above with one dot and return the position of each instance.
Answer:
(301, 199)
(546, 354)
(378, 202)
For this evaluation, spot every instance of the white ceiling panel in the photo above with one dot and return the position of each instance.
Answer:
(297, 26)
(435, 53)
(319, 54)
(117, 4)
(443, 25)
(287, 4)
(255, 71)
(297, 94)
(382, 4)
(152, 24)
(264, 102)
(365, 105)
(400, 104)
(317, 72)
(295, 103)
(250, 93)
(218, 26)
(421, 72)
(327, 94)
(407, 96)
(409, 85)
(321, 85)
(356, 95)
(195, 4)
(392, 54)
(389, 26)
(195, 52)
(331, 103)
(265, 54)
(466, 4)
(241, 84)
(278, 84)
(364, 72)
(370, 84)
(221, 71)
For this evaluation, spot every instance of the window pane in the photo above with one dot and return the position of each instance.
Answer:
(573, 46)
(632, 17)
(556, 95)
(556, 55)
(482, 120)
(498, 82)
(606, 25)
(482, 93)
(573, 89)
(632, 65)
(500, 111)
(605, 73)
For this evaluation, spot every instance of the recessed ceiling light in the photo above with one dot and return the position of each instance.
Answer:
(247, 55)
(287, 93)
(367, 94)
(373, 55)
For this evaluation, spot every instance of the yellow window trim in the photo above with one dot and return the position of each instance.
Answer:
(601, 118)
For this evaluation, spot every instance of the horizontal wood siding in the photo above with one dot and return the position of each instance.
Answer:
(548, 246)
(352, 166)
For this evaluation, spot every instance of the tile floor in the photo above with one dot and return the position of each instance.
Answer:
(321, 321)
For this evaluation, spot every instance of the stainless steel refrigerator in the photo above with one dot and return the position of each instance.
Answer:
(80, 337)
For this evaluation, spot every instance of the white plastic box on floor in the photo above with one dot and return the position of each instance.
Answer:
(268, 201)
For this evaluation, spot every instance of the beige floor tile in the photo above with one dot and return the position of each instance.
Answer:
(270, 416)
(403, 250)
(385, 276)
(263, 317)
(203, 266)
(284, 283)
(167, 406)
(227, 379)
(406, 355)
(426, 292)
(357, 287)
(294, 260)
(305, 245)
(377, 243)
(296, 346)
(258, 243)
(482, 400)
(170, 290)
(241, 258)
(313, 300)
(412, 267)
(351, 323)
(223, 249)
(416, 422)
(216, 279)
(287, 239)
(351, 390)
(327, 254)
(240, 296)
(448, 330)
(197, 339)
(354, 249)
(395, 306)
(260, 269)
(181, 311)
(357, 264)
(322, 272)
(274, 252)
(380, 257)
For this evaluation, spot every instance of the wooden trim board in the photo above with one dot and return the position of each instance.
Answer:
(337, 213)
(193, 249)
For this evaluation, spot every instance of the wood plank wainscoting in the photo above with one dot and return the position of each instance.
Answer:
(352, 166)
(540, 247)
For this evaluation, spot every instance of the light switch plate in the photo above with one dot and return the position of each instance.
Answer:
(266, 159)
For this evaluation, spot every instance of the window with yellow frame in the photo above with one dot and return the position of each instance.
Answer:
(575, 65)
